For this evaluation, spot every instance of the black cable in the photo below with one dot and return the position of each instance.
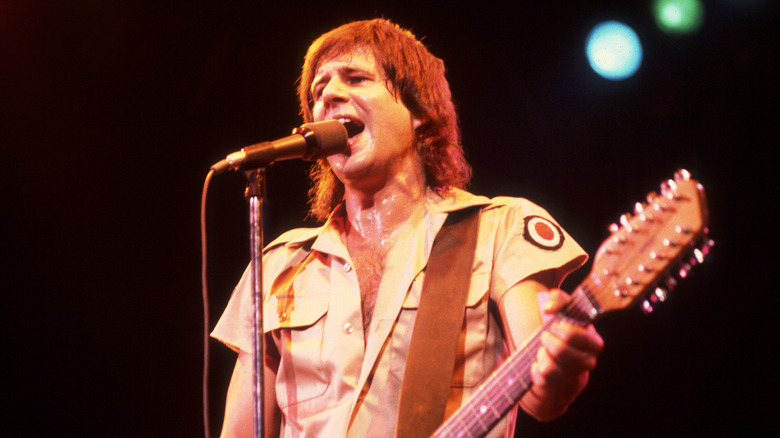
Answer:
(205, 298)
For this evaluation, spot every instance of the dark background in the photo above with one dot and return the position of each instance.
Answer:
(112, 113)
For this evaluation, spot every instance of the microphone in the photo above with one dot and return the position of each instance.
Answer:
(310, 141)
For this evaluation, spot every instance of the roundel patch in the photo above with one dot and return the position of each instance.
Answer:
(543, 233)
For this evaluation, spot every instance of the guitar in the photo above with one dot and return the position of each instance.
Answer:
(668, 232)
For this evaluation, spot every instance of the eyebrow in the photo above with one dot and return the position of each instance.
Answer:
(343, 69)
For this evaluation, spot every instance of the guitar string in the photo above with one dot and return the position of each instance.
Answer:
(516, 373)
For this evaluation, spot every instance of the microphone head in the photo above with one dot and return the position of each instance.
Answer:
(324, 138)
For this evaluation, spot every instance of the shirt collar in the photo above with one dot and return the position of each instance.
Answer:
(329, 237)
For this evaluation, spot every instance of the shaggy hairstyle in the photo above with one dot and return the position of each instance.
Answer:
(417, 77)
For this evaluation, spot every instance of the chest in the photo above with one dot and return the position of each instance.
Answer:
(368, 261)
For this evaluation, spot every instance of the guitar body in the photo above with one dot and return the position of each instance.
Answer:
(666, 235)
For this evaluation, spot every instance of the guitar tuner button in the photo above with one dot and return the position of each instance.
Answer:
(660, 207)
(660, 294)
(657, 255)
(682, 175)
(682, 230)
(621, 292)
(670, 243)
(647, 308)
(698, 255)
(651, 197)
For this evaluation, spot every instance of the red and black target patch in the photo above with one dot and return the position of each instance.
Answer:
(543, 233)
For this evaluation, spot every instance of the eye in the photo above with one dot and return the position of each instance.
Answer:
(357, 80)
(316, 92)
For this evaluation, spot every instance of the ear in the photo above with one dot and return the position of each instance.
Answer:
(416, 123)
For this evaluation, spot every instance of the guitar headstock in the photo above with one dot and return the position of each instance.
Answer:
(665, 233)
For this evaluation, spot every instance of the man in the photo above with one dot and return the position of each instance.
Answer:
(340, 301)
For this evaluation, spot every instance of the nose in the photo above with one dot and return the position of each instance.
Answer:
(335, 92)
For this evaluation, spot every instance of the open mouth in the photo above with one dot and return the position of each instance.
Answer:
(354, 127)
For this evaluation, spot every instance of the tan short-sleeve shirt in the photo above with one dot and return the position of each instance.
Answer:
(332, 382)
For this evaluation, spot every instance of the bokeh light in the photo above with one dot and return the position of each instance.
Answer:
(614, 50)
(678, 16)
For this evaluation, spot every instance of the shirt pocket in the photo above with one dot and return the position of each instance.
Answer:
(298, 333)
(470, 363)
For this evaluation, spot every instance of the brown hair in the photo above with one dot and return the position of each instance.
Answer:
(418, 79)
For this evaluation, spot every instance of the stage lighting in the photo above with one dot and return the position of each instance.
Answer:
(614, 50)
(678, 16)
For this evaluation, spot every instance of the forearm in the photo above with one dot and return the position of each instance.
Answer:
(239, 405)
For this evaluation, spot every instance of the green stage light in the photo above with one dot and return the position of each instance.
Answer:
(678, 16)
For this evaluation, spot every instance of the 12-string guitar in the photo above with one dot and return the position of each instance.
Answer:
(666, 233)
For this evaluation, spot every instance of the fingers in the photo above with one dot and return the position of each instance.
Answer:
(568, 351)
(556, 300)
(568, 354)
(571, 347)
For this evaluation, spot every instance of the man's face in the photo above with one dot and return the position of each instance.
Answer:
(353, 87)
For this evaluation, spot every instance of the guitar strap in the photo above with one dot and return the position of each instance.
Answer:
(430, 361)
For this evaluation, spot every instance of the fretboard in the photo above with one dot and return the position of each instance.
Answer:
(507, 385)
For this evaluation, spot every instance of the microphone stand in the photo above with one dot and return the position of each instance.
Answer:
(255, 193)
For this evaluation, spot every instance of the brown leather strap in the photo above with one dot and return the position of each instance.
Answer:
(430, 361)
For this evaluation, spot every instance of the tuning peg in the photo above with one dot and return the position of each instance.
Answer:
(671, 243)
(651, 197)
(659, 295)
(624, 221)
(698, 256)
(660, 207)
(705, 248)
(657, 255)
(682, 229)
(665, 188)
(619, 238)
(684, 270)
(670, 283)
(682, 175)
(620, 291)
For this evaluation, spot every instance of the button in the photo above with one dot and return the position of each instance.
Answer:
(348, 328)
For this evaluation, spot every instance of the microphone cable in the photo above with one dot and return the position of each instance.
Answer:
(205, 298)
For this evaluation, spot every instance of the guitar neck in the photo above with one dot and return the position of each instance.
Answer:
(513, 379)
(641, 251)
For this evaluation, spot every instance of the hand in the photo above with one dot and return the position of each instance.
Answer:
(563, 363)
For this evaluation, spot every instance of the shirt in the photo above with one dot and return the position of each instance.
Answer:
(332, 382)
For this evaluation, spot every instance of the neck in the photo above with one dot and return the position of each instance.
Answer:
(375, 215)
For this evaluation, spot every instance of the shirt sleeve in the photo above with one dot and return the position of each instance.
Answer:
(234, 328)
(529, 241)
